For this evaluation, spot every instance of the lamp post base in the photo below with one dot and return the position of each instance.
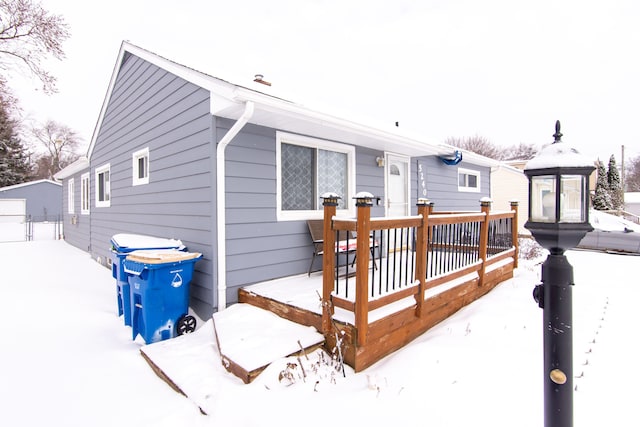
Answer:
(557, 282)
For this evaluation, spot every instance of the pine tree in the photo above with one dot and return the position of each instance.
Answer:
(14, 161)
(615, 186)
(602, 198)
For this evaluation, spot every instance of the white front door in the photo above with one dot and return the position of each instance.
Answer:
(397, 192)
(397, 185)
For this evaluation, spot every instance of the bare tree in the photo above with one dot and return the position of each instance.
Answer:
(521, 151)
(60, 144)
(632, 175)
(477, 144)
(481, 145)
(29, 34)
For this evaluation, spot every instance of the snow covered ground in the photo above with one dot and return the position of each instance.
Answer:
(68, 360)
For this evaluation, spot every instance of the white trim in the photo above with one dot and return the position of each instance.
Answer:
(79, 165)
(103, 203)
(26, 184)
(305, 141)
(135, 157)
(85, 199)
(71, 196)
(221, 204)
(471, 172)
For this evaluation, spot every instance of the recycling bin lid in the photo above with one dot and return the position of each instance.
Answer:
(161, 256)
(123, 241)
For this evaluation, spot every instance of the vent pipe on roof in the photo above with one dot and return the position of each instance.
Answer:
(221, 189)
(259, 79)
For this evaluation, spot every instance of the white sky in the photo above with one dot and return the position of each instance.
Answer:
(500, 69)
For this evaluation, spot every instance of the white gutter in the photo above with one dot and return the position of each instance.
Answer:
(221, 188)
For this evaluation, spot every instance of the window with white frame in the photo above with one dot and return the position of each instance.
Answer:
(84, 194)
(140, 160)
(307, 168)
(103, 186)
(468, 180)
(70, 196)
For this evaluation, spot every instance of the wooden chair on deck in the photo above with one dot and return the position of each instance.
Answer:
(346, 242)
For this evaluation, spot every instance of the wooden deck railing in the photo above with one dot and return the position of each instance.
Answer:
(400, 258)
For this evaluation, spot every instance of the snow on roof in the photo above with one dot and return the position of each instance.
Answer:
(79, 165)
(26, 184)
(228, 100)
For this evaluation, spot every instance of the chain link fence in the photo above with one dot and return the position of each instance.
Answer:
(22, 228)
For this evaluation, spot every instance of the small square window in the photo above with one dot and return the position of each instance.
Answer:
(140, 164)
(468, 180)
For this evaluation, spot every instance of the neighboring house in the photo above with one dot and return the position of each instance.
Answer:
(43, 198)
(235, 173)
(632, 204)
(509, 183)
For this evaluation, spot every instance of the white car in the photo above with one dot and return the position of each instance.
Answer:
(611, 234)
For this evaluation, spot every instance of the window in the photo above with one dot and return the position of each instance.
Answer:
(70, 196)
(103, 186)
(468, 180)
(140, 160)
(84, 194)
(307, 168)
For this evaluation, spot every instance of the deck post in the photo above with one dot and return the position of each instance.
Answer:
(514, 232)
(485, 207)
(364, 201)
(329, 201)
(424, 209)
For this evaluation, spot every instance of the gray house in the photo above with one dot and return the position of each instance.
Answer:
(235, 173)
(43, 198)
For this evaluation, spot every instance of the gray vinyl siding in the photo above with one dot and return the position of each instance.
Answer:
(370, 177)
(151, 108)
(442, 185)
(78, 234)
(259, 247)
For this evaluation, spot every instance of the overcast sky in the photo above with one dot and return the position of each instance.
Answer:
(501, 69)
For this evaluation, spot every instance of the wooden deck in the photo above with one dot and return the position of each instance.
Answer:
(369, 324)
(389, 330)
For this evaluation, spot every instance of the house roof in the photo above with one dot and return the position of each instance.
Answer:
(26, 184)
(79, 165)
(228, 100)
(506, 166)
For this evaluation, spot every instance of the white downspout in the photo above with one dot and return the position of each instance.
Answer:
(221, 188)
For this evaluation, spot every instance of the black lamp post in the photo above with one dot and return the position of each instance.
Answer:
(558, 220)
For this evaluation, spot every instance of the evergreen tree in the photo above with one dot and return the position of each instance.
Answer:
(14, 160)
(602, 198)
(615, 185)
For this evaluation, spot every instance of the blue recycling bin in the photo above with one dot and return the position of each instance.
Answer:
(121, 246)
(159, 283)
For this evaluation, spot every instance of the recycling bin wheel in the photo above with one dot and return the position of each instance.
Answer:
(186, 324)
